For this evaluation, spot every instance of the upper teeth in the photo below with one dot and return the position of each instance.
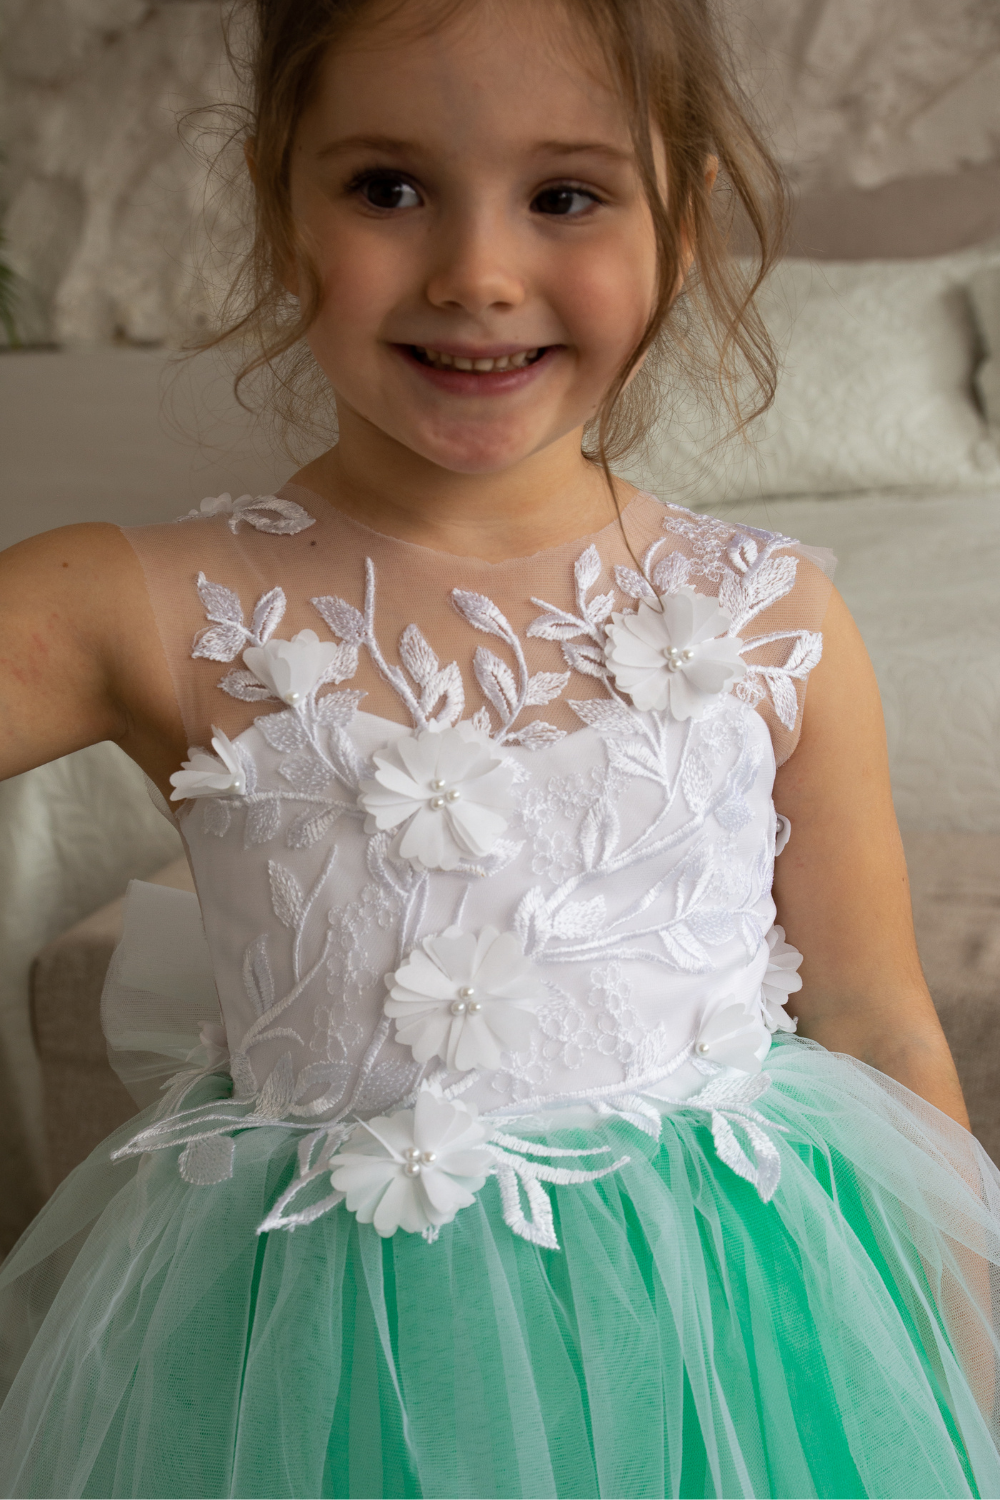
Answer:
(482, 366)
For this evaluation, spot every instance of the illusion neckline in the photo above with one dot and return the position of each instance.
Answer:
(326, 510)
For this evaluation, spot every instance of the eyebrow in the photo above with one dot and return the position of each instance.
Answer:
(391, 144)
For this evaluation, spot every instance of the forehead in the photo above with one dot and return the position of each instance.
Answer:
(487, 75)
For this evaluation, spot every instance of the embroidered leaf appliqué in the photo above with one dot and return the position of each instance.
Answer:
(220, 642)
(633, 584)
(257, 980)
(556, 627)
(481, 613)
(283, 731)
(586, 659)
(216, 816)
(343, 619)
(587, 569)
(537, 734)
(417, 657)
(221, 604)
(580, 919)
(804, 655)
(671, 573)
(306, 774)
(287, 901)
(545, 686)
(496, 680)
(268, 614)
(310, 826)
(244, 685)
(782, 690)
(612, 720)
(684, 950)
(336, 710)
(263, 821)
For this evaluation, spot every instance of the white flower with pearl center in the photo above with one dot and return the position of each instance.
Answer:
(780, 980)
(734, 1036)
(414, 1169)
(448, 789)
(669, 657)
(465, 998)
(294, 669)
(204, 775)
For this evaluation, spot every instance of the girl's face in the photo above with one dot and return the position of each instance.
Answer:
(486, 252)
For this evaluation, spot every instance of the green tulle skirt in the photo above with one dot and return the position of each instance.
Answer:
(687, 1338)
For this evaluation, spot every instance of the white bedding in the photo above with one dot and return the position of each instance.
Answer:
(922, 578)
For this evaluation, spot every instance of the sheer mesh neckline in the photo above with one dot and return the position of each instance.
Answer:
(404, 624)
(321, 509)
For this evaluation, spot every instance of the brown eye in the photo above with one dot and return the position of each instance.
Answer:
(563, 202)
(387, 190)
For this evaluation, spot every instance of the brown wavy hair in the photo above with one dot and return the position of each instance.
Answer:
(675, 75)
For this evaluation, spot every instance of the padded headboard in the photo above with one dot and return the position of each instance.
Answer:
(901, 220)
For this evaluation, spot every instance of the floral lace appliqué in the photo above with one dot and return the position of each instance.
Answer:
(263, 512)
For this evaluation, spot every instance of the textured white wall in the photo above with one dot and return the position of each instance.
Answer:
(106, 206)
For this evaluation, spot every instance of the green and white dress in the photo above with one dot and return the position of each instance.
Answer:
(478, 1154)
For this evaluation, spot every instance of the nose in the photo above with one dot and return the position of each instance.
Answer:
(476, 265)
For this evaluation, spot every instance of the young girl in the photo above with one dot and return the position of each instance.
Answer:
(505, 1172)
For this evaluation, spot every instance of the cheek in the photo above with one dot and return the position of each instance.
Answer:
(606, 299)
(357, 286)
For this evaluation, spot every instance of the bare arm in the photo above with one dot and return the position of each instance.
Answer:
(841, 886)
(80, 658)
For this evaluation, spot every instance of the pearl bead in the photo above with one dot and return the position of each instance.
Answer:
(687, 655)
(292, 697)
(412, 1153)
(458, 1007)
(437, 802)
(703, 1046)
(437, 784)
(474, 1006)
(413, 1169)
(454, 794)
(466, 992)
(428, 1157)
(233, 786)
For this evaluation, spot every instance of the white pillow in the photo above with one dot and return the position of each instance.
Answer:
(875, 390)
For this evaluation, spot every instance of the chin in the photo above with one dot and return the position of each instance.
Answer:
(478, 454)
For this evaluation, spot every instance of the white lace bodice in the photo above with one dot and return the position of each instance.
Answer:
(562, 897)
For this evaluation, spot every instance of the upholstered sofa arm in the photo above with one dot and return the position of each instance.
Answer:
(84, 1100)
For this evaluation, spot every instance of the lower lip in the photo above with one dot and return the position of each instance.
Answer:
(469, 383)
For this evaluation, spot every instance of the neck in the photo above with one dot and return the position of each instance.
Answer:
(546, 499)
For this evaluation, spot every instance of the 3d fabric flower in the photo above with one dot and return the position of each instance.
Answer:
(780, 980)
(735, 1036)
(669, 657)
(450, 788)
(204, 775)
(263, 512)
(463, 998)
(292, 669)
(414, 1169)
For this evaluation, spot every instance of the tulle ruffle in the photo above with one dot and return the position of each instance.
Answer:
(688, 1338)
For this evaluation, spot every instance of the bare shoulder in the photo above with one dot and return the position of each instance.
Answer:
(80, 659)
(72, 561)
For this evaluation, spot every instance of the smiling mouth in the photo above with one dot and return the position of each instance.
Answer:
(438, 361)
